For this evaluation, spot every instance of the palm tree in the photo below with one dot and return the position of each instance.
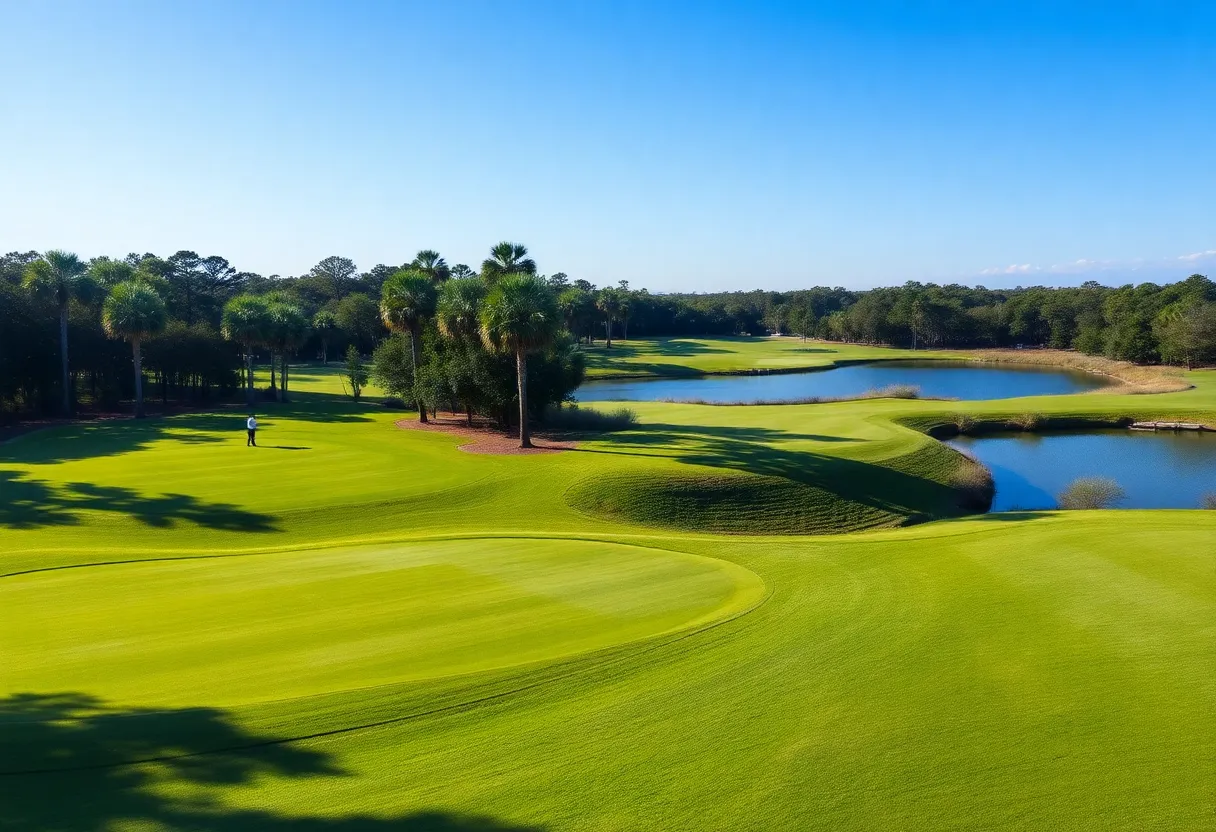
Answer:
(457, 314)
(432, 265)
(325, 323)
(520, 316)
(60, 276)
(406, 300)
(287, 329)
(609, 302)
(458, 307)
(507, 258)
(106, 273)
(134, 311)
(246, 320)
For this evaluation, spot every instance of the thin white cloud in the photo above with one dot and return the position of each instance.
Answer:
(1199, 255)
(1087, 265)
(1025, 268)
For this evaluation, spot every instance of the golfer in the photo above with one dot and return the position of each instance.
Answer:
(252, 424)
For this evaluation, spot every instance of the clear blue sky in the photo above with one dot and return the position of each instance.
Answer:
(681, 146)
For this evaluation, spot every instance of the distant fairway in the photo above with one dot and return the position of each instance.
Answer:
(357, 627)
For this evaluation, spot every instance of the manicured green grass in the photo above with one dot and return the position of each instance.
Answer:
(356, 627)
(691, 356)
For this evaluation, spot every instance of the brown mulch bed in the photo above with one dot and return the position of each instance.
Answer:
(485, 438)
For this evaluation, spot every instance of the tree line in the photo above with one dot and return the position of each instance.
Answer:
(70, 336)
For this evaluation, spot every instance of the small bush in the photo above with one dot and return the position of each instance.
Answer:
(394, 403)
(893, 391)
(964, 423)
(1209, 501)
(1090, 493)
(975, 486)
(575, 418)
(1026, 421)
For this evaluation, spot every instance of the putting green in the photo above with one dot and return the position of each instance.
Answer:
(224, 631)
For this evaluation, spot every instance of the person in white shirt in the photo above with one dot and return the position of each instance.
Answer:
(252, 424)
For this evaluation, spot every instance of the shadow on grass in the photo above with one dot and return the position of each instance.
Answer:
(757, 451)
(27, 503)
(70, 761)
(87, 440)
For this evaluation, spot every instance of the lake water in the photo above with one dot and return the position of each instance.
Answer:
(937, 379)
(1156, 470)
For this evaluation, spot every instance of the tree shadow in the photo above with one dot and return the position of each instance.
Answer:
(110, 437)
(758, 451)
(69, 761)
(27, 503)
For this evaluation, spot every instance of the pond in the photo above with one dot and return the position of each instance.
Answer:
(936, 379)
(1155, 469)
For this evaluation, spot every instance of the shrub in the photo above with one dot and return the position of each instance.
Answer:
(1090, 493)
(354, 373)
(894, 391)
(1209, 500)
(964, 423)
(574, 417)
(1026, 421)
(974, 483)
(394, 403)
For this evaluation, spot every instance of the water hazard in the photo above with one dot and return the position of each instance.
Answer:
(936, 379)
(1155, 470)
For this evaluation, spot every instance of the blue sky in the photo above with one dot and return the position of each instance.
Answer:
(681, 146)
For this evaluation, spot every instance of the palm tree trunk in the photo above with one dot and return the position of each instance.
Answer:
(325, 352)
(521, 371)
(139, 379)
(273, 385)
(281, 394)
(414, 358)
(249, 376)
(283, 367)
(63, 354)
(608, 334)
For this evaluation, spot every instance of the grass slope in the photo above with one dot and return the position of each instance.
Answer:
(361, 628)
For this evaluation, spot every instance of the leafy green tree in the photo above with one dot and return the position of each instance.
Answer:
(359, 318)
(520, 316)
(506, 258)
(134, 312)
(407, 300)
(246, 320)
(325, 324)
(461, 271)
(355, 372)
(1187, 334)
(60, 276)
(432, 265)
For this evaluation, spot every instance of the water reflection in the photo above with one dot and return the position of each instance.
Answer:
(1155, 470)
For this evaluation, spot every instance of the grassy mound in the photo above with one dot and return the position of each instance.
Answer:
(723, 503)
(817, 498)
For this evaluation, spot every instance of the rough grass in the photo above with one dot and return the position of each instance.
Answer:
(360, 628)
(1136, 378)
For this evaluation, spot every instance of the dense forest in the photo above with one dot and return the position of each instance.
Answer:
(178, 318)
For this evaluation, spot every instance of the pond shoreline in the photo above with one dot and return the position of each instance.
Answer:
(1146, 378)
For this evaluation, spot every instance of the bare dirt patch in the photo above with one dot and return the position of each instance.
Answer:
(485, 438)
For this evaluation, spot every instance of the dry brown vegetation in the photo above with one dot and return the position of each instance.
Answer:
(1133, 378)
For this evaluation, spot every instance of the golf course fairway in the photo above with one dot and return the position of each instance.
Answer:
(361, 628)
